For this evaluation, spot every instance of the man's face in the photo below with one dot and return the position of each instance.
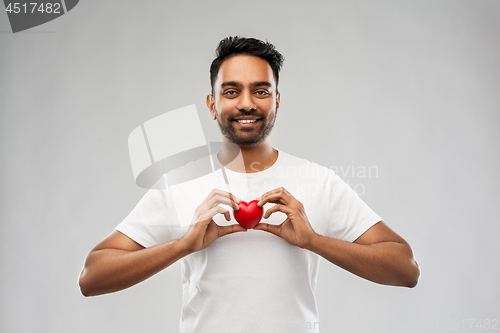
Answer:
(244, 100)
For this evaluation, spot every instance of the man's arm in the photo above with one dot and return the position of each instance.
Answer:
(379, 255)
(118, 262)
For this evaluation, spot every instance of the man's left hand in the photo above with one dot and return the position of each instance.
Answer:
(296, 228)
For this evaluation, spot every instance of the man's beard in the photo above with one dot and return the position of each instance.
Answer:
(245, 141)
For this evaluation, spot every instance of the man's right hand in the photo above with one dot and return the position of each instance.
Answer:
(118, 262)
(203, 230)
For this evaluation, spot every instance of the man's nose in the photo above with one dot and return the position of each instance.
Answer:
(245, 101)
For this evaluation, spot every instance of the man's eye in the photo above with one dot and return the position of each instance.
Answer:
(230, 92)
(263, 92)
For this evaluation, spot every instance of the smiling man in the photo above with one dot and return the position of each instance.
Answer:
(260, 280)
(256, 102)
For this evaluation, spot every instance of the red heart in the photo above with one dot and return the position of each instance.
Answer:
(249, 214)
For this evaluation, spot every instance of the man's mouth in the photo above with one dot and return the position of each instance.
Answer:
(246, 121)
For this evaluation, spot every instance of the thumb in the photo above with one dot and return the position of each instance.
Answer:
(274, 229)
(229, 229)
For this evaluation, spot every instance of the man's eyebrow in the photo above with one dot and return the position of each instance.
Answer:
(239, 85)
(262, 84)
(230, 83)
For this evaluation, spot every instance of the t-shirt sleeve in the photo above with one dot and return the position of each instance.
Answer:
(154, 220)
(348, 216)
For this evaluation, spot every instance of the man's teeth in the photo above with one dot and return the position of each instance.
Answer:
(246, 121)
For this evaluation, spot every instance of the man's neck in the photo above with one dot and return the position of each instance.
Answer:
(248, 159)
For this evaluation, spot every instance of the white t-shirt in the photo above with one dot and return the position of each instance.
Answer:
(251, 281)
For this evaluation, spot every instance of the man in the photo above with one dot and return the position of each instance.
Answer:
(260, 280)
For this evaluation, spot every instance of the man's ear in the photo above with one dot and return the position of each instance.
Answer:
(277, 102)
(211, 106)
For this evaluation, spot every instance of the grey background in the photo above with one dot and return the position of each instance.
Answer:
(410, 87)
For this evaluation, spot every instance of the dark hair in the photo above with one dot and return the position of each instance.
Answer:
(231, 46)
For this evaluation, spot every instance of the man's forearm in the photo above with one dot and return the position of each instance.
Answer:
(388, 263)
(109, 270)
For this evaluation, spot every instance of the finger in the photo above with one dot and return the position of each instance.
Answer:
(216, 210)
(271, 198)
(271, 228)
(279, 195)
(220, 199)
(234, 201)
(229, 229)
(209, 196)
(228, 194)
(228, 199)
(277, 208)
(222, 193)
